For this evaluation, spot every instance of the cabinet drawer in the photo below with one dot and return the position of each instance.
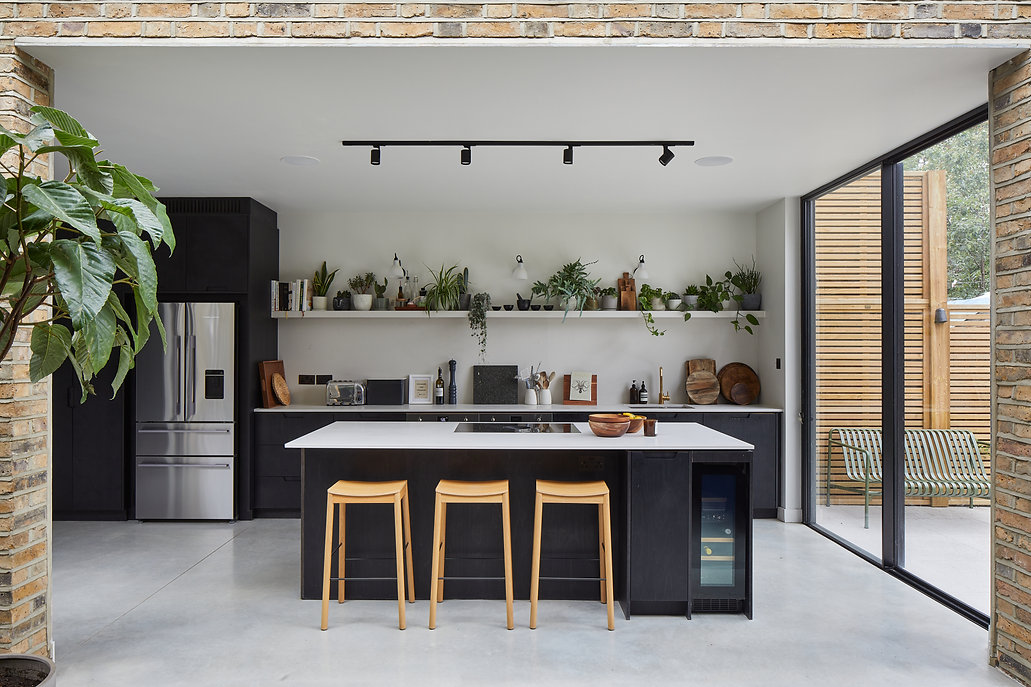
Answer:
(277, 493)
(276, 461)
(278, 428)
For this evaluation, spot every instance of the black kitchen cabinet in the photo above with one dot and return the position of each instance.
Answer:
(762, 430)
(659, 498)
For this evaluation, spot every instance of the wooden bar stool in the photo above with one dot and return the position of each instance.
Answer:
(574, 492)
(450, 491)
(345, 492)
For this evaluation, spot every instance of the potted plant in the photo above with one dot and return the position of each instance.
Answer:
(463, 290)
(673, 300)
(747, 281)
(691, 297)
(713, 294)
(571, 284)
(442, 293)
(478, 306)
(27, 670)
(320, 287)
(342, 300)
(650, 298)
(608, 298)
(380, 301)
(360, 285)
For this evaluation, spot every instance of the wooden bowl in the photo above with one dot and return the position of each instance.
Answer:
(609, 429)
(635, 425)
(607, 417)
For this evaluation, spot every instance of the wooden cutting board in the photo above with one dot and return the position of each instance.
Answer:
(702, 387)
(701, 365)
(739, 383)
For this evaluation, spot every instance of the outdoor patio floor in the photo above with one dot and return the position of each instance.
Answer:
(163, 604)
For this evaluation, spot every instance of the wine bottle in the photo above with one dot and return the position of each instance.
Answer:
(635, 395)
(643, 394)
(438, 391)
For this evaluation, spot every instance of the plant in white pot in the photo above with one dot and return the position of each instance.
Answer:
(652, 296)
(64, 245)
(673, 300)
(691, 297)
(607, 297)
(360, 286)
(320, 283)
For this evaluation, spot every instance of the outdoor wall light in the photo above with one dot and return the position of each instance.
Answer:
(467, 155)
(640, 271)
(940, 316)
(666, 157)
(374, 156)
(520, 269)
(567, 155)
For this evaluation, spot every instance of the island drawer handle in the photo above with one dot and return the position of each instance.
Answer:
(220, 466)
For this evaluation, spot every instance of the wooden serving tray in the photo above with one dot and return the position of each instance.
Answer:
(266, 368)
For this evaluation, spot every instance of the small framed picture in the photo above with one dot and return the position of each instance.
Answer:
(420, 389)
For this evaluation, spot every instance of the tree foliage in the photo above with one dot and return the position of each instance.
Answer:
(964, 157)
(65, 244)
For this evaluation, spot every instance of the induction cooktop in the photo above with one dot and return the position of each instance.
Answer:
(518, 427)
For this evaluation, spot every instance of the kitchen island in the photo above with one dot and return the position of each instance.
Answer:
(654, 506)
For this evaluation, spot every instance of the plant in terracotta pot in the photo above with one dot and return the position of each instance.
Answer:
(320, 283)
(360, 286)
(443, 290)
(380, 301)
(478, 306)
(747, 281)
(342, 301)
(607, 297)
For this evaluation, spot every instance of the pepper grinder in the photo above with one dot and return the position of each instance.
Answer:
(452, 390)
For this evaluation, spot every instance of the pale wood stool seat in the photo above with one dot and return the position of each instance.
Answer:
(339, 495)
(575, 492)
(452, 491)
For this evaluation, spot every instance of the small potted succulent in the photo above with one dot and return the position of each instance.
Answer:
(320, 283)
(747, 281)
(691, 297)
(361, 285)
(650, 298)
(380, 301)
(342, 300)
(607, 297)
(673, 300)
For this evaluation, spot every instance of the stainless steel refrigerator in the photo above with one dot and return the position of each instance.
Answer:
(185, 415)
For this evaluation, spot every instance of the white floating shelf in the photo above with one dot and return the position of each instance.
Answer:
(510, 314)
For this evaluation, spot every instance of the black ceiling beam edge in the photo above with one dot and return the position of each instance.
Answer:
(528, 144)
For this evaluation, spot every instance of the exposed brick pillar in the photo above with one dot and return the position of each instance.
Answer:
(24, 407)
(1010, 122)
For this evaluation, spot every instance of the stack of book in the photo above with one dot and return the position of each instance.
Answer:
(291, 296)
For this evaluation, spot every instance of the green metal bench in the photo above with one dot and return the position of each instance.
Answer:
(939, 462)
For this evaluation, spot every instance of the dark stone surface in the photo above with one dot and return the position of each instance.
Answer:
(495, 384)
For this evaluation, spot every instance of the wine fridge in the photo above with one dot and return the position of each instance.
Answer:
(721, 567)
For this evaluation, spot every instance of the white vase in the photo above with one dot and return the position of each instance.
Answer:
(531, 397)
(361, 301)
(319, 303)
(673, 304)
(544, 397)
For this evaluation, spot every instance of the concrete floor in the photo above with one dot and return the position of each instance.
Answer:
(217, 604)
(949, 547)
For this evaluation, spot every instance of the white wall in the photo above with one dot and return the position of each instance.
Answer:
(778, 251)
(679, 250)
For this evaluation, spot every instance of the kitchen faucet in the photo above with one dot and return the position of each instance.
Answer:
(663, 397)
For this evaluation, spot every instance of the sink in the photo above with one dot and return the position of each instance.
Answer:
(659, 405)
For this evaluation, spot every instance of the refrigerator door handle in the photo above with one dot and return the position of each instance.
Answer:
(193, 375)
(178, 375)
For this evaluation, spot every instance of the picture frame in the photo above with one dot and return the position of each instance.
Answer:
(580, 388)
(420, 389)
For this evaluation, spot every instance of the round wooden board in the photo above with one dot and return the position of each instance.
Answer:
(739, 383)
(703, 388)
(279, 389)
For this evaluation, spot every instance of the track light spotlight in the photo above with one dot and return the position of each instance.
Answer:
(374, 156)
(567, 155)
(467, 155)
(666, 157)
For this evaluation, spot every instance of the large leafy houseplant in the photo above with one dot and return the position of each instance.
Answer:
(66, 243)
(572, 284)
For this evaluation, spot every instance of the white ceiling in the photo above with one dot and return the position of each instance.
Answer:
(213, 121)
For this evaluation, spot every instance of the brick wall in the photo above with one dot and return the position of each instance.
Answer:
(24, 455)
(1010, 122)
(968, 20)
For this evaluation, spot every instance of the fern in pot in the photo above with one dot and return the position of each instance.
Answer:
(571, 284)
(360, 286)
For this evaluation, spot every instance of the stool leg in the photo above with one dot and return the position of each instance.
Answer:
(507, 525)
(408, 547)
(535, 571)
(608, 563)
(601, 550)
(342, 556)
(327, 563)
(399, 555)
(443, 548)
(437, 510)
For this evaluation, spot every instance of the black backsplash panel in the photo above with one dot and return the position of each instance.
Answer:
(495, 384)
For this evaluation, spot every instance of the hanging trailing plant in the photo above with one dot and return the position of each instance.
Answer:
(644, 304)
(478, 320)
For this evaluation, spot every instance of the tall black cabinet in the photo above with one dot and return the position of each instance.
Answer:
(227, 250)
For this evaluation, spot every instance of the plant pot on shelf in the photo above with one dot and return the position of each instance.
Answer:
(609, 302)
(319, 303)
(690, 302)
(362, 301)
(379, 303)
(673, 304)
(28, 670)
(751, 301)
(591, 304)
(341, 303)
(464, 300)
(657, 304)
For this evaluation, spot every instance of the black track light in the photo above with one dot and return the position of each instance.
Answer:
(374, 156)
(567, 155)
(467, 155)
(666, 157)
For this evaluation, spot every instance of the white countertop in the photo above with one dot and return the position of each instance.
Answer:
(671, 436)
(519, 408)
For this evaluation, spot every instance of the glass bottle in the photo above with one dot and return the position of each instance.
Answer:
(643, 397)
(438, 390)
(635, 396)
